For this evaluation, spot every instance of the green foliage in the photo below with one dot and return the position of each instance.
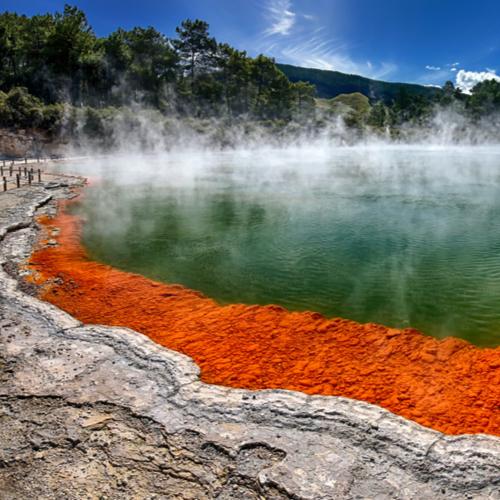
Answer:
(69, 42)
(93, 123)
(330, 84)
(273, 92)
(378, 117)
(236, 77)
(485, 98)
(354, 108)
(195, 47)
(410, 108)
(58, 58)
(448, 94)
(151, 66)
(13, 29)
(20, 109)
(303, 96)
(56, 74)
(356, 101)
(53, 117)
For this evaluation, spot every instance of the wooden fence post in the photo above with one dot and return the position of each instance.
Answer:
(18, 180)
(39, 175)
(5, 183)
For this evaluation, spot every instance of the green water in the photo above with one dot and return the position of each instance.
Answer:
(404, 237)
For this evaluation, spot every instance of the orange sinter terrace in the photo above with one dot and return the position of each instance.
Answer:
(449, 385)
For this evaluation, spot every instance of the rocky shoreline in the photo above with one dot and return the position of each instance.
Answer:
(101, 412)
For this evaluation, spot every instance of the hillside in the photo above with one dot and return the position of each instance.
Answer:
(332, 83)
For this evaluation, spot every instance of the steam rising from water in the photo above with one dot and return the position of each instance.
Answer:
(135, 131)
(405, 236)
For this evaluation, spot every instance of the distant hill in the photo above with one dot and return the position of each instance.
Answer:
(332, 83)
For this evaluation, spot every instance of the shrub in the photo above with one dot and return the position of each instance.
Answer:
(18, 108)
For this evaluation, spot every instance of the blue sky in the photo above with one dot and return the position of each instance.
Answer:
(422, 41)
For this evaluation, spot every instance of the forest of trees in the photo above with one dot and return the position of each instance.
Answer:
(53, 66)
(58, 59)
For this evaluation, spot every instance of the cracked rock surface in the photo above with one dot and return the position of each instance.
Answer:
(99, 412)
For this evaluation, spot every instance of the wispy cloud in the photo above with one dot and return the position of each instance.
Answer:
(318, 51)
(433, 68)
(298, 38)
(467, 80)
(280, 17)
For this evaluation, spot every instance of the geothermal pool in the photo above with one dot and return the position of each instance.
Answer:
(406, 237)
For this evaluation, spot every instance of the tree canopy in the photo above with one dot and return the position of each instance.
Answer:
(53, 62)
(58, 58)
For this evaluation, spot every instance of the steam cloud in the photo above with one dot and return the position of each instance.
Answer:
(145, 131)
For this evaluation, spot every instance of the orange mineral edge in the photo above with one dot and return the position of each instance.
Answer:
(449, 385)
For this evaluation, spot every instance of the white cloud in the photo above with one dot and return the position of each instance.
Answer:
(280, 17)
(453, 69)
(433, 68)
(466, 80)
